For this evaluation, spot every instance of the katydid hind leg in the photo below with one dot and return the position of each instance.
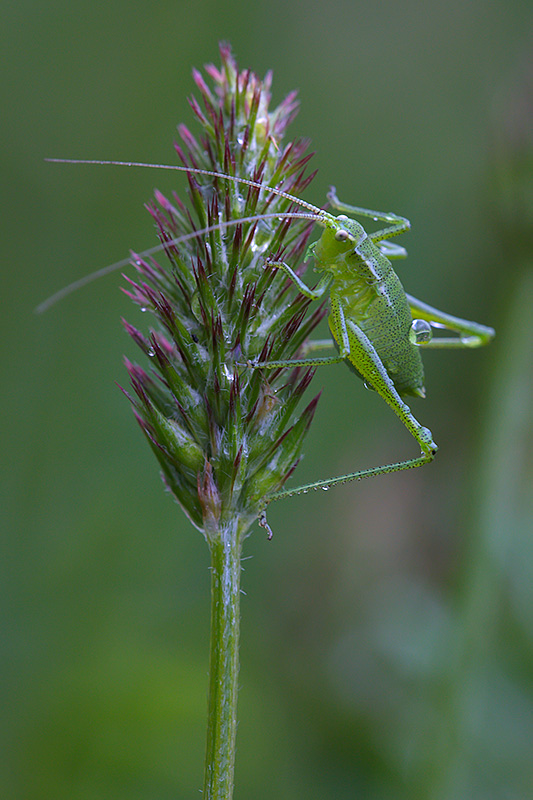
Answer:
(367, 362)
(364, 357)
(469, 334)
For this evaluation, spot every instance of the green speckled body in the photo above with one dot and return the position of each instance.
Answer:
(371, 296)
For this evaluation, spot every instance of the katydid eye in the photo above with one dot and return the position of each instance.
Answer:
(342, 236)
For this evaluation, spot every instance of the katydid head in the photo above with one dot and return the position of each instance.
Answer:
(349, 230)
(341, 236)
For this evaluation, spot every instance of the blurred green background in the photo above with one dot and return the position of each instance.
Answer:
(387, 633)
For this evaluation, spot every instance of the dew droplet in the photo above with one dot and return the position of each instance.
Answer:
(325, 488)
(143, 308)
(420, 332)
(258, 248)
(151, 352)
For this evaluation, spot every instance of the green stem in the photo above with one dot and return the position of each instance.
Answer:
(223, 662)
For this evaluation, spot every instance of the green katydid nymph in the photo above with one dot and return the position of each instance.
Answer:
(378, 329)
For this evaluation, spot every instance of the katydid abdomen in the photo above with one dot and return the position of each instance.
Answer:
(373, 298)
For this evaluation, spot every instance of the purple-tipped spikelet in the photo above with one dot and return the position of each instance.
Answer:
(226, 436)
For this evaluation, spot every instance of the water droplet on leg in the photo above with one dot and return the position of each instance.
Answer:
(420, 332)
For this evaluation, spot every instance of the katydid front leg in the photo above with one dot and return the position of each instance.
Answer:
(313, 294)
(399, 224)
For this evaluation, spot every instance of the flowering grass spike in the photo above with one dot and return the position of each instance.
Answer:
(226, 436)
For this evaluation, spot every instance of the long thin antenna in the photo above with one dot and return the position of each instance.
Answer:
(99, 273)
(195, 171)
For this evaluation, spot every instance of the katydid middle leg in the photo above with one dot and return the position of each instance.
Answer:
(313, 294)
